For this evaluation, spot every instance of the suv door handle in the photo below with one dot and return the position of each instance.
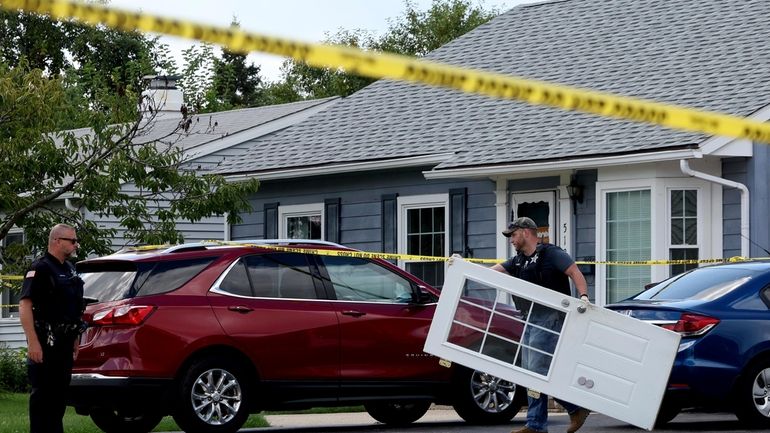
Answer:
(240, 309)
(353, 313)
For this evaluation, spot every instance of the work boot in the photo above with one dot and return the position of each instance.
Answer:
(527, 430)
(577, 419)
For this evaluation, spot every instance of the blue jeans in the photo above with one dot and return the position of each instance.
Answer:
(537, 412)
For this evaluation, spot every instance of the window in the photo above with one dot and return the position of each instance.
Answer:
(628, 228)
(279, 275)
(301, 221)
(683, 229)
(360, 280)
(114, 281)
(423, 228)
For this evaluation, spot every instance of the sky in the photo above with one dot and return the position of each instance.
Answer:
(304, 20)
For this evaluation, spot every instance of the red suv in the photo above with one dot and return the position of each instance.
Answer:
(211, 332)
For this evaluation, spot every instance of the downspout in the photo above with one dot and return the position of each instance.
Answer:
(685, 167)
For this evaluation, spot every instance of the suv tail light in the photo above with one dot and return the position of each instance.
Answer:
(692, 325)
(130, 315)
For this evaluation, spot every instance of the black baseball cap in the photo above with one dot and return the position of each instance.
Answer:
(519, 223)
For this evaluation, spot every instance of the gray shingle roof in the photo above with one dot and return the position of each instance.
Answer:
(208, 127)
(708, 54)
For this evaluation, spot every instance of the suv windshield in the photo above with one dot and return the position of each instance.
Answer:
(113, 281)
(701, 284)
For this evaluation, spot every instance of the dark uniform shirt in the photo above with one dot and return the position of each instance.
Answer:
(55, 289)
(545, 267)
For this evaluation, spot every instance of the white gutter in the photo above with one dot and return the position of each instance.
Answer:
(685, 167)
(558, 166)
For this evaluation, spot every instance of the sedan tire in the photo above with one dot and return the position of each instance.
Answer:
(753, 394)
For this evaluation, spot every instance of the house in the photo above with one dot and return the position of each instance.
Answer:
(414, 169)
(207, 140)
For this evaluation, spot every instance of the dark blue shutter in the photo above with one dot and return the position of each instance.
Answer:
(271, 220)
(458, 222)
(389, 223)
(332, 219)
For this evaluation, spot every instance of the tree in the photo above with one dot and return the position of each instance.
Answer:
(42, 166)
(308, 82)
(415, 33)
(55, 76)
(212, 83)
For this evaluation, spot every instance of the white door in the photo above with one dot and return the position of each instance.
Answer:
(553, 343)
(540, 206)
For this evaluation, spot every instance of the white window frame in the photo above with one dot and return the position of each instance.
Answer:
(703, 210)
(709, 209)
(416, 202)
(299, 210)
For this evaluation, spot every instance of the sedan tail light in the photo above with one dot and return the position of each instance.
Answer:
(692, 325)
(130, 315)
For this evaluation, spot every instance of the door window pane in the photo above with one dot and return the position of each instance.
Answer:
(628, 239)
(520, 332)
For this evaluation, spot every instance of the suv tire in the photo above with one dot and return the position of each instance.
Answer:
(119, 421)
(213, 397)
(397, 413)
(481, 398)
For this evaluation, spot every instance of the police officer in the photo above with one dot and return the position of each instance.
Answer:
(50, 309)
(551, 267)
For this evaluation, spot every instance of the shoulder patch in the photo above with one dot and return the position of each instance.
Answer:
(30, 274)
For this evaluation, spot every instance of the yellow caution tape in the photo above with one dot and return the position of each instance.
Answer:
(11, 277)
(406, 68)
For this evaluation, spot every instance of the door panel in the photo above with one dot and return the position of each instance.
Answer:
(559, 345)
(290, 335)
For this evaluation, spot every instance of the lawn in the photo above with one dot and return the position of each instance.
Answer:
(14, 418)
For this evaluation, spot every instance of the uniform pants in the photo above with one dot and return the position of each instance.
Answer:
(49, 380)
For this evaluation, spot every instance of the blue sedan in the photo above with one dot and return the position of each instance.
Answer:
(723, 315)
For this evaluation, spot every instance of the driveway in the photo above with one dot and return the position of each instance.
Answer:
(440, 420)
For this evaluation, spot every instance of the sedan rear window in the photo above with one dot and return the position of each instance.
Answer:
(112, 281)
(702, 284)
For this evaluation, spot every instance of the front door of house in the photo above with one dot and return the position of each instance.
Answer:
(552, 343)
(540, 206)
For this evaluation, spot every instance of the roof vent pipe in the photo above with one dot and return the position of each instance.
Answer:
(685, 167)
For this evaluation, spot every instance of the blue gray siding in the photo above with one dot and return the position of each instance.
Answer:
(360, 213)
(735, 169)
(758, 174)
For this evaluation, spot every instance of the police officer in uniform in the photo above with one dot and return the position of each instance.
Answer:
(50, 309)
(549, 266)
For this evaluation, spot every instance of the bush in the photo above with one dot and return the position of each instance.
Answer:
(13, 370)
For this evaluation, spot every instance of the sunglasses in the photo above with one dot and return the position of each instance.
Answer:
(73, 240)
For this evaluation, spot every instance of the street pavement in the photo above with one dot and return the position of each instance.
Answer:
(443, 419)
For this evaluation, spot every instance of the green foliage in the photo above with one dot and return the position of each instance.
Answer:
(13, 370)
(415, 33)
(52, 174)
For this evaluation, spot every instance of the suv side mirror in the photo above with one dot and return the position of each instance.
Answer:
(422, 297)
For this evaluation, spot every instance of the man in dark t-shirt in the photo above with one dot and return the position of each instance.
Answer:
(551, 267)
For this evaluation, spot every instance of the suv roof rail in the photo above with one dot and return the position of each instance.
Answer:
(216, 243)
